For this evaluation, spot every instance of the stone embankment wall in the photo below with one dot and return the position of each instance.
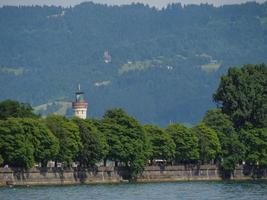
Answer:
(57, 176)
(193, 173)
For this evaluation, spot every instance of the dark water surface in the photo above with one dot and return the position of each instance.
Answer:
(165, 191)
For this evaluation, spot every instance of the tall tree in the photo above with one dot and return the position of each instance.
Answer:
(94, 145)
(127, 140)
(186, 143)
(113, 134)
(46, 145)
(15, 146)
(242, 94)
(208, 143)
(67, 133)
(163, 146)
(255, 141)
(232, 149)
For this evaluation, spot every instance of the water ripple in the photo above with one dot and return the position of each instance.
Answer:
(155, 191)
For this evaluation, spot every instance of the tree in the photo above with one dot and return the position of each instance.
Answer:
(208, 143)
(10, 108)
(127, 140)
(255, 141)
(15, 147)
(67, 132)
(242, 94)
(46, 145)
(186, 143)
(113, 134)
(231, 147)
(163, 146)
(94, 145)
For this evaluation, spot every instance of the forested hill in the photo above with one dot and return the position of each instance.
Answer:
(161, 65)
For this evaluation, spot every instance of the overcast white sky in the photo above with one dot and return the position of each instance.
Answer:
(157, 3)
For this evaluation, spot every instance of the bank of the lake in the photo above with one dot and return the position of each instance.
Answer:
(56, 176)
(245, 190)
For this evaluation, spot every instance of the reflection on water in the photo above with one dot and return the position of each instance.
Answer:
(166, 191)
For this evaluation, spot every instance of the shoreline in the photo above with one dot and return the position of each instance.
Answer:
(140, 183)
(115, 175)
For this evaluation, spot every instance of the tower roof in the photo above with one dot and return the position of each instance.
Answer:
(79, 95)
(79, 91)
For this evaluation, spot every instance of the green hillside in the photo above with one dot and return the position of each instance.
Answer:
(56, 107)
(160, 66)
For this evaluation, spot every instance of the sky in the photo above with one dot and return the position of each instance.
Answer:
(157, 3)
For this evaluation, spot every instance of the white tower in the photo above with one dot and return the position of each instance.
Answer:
(80, 105)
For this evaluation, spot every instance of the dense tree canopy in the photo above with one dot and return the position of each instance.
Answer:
(242, 94)
(67, 133)
(46, 145)
(15, 146)
(232, 150)
(113, 133)
(255, 141)
(186, 143)
(94, 146)
(163, 147)
(208, 143)
(127, 140)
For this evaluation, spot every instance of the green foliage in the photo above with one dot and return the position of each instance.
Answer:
(114, 134)
(46, 145)
(186, 143)
(163, 146)
(127, 140)
(218, 121)
(208, 143)
(15, 146)
(255, 141)
(10, 108)
(94, 145)
(67, 132)
(231, 147)
(242, 94)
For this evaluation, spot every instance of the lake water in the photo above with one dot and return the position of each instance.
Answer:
(165, 191)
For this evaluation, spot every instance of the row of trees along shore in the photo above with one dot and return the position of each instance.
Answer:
(234, 133)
